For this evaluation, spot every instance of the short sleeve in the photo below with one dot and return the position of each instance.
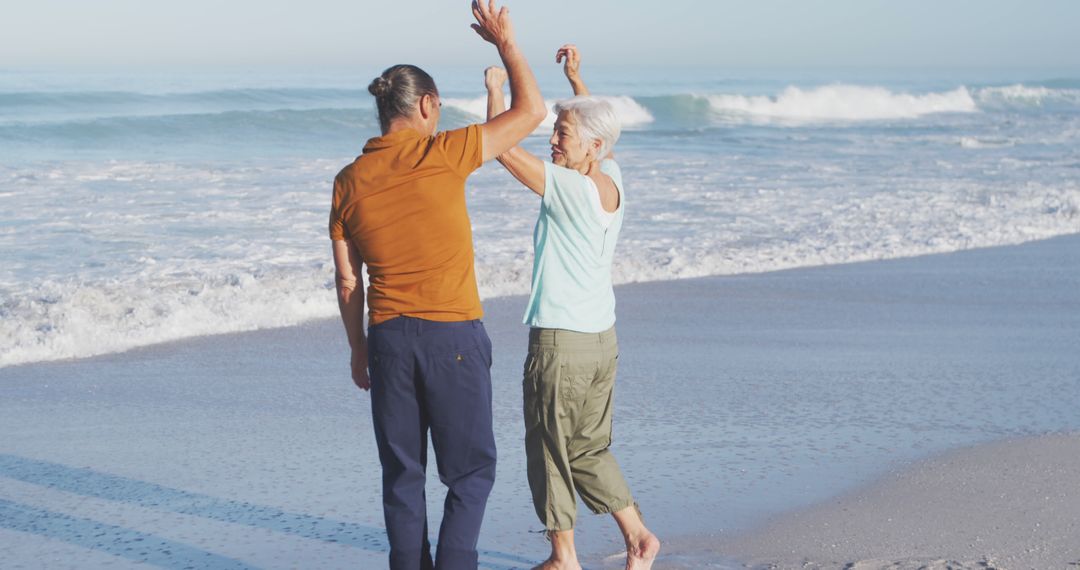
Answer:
(564, 189)
(611, 168)
(463, 148)
(337, 224)
(550, 186)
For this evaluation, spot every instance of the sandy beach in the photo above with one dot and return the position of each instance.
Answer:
(847, 276)
(1011, 504)
(751, 411)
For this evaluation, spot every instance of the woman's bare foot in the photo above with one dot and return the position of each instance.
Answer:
(563, 554)
(642, 546)
(641, 551)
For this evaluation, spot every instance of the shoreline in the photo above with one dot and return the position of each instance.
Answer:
(510, 298)
(740, 399)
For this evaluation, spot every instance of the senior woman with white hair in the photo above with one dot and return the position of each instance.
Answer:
(569, 373)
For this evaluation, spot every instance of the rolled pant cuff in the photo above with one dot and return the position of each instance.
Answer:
(601, 510)
(616, 507)
(556, 528)
(454, 559)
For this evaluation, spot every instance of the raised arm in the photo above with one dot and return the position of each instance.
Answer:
(528, 169)
(572, 67)
(494, 80)
(350, 293)
(527, 108)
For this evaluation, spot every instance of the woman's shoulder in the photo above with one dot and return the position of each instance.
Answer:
(565, 177)
(609, 166)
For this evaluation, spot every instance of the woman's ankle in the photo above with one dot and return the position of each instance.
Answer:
(562, 545)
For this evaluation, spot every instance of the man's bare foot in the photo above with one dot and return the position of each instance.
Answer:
(553, 564)
(641, 551)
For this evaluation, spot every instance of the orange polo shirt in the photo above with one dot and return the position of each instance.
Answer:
(402, 203)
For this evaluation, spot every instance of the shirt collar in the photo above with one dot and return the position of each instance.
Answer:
(391, 139)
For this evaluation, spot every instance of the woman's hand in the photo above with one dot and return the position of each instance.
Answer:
(573, 61)
(491, 24)
(494, 78)
(572, 67)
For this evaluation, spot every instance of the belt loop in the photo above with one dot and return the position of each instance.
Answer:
(419, 327)
(555, 337)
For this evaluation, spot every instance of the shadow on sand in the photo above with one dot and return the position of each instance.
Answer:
(135, 545)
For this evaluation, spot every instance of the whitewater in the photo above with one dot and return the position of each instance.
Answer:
(137, 209)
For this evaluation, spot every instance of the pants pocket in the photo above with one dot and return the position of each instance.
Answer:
(380, 367)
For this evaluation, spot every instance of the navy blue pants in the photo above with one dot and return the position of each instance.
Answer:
(432, 376)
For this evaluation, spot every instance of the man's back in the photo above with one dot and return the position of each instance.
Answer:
(402, 203)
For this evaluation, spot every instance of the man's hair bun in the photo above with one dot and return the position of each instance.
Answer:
(379, 87)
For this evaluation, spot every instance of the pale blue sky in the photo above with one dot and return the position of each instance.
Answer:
(761, 33)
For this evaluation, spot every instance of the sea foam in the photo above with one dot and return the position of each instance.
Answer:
(840, 103)
(630, 112)
(130, 219)
(683, 221)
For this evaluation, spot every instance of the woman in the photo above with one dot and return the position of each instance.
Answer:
(573, 354)
(400, 209)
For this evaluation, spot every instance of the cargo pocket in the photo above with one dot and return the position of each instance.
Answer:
(577, 375)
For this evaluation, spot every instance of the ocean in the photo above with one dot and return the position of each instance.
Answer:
(140, 207)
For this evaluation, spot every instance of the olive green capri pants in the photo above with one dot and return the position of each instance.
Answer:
(568, 388)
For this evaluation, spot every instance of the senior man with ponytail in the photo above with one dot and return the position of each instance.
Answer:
(399, 209)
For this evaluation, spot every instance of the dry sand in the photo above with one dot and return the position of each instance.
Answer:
(1006, 505)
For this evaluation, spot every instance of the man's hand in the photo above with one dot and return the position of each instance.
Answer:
(569, 52)
(491, 24)
(360, 369)
(494, 78)
(527, 110)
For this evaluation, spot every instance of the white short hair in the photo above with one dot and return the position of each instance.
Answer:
(596, 119)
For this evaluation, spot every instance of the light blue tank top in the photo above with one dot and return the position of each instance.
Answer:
(573, 251)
